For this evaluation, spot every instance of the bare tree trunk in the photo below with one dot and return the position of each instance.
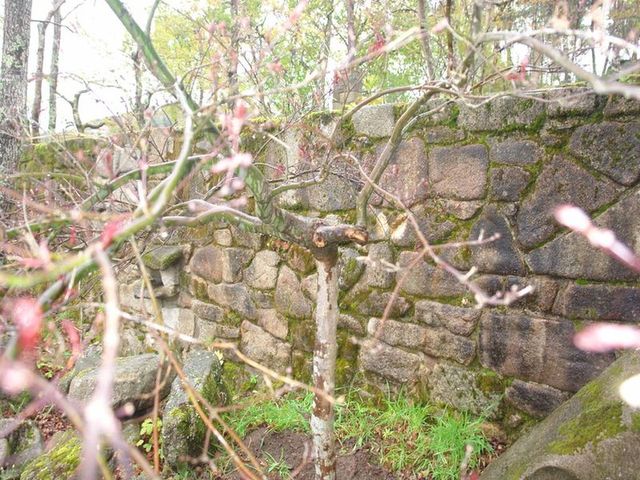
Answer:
(351, 30)
(55, 66)
(37, 96)
(349, 85)
(324, 365)
(39, 73)
(234, 49)
(325, 83)
(424, 32)
(13, 82)
(451, 56)
(139, 106)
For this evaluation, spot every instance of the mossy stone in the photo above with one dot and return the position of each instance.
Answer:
(183, 430)
(60, 462)
(161, 258)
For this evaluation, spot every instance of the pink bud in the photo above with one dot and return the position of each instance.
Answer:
(27, 316)
(572, 217)
(603, 337)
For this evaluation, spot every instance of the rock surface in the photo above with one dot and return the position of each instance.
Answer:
(537, 349)
(134, 381)
(60, 461)
(375, 120)
(561, 181)
(289, 299)
(594, 435)
(516, 152)
(406, 176)
(460, 388)
(21, 446)
(391, 363)
(161, 258)
(264, 348)
(183, 431)
(572, 256)
(501, 255)
(459, 172)
(535, 399)
(618, 158)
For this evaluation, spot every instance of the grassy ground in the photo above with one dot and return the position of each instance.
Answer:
(409, 439)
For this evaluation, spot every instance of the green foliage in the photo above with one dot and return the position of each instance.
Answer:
(17, 403)
(146, 435)
(278, 466)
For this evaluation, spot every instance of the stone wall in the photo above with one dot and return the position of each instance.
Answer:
(499, 168)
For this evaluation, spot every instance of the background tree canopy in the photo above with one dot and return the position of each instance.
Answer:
(273, 55)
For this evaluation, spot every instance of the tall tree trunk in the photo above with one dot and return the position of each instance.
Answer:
(426, 41)
(55, 67)
(324, 364)
(13, 82)
(140, 106)
(234, 49)
(349, 85)
(39, 73)
(451, 56)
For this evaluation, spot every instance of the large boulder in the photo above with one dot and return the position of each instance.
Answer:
(592, 436)
(134, 381)
(183, 431)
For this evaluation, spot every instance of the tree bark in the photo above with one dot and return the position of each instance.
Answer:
(424, 38)
(13, 83)
(55, 66)
(139, 106)
(39, 73)
(234, 49)
(349, 84)
(324, 365)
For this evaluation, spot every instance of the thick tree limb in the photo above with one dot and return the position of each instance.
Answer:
(385, 157)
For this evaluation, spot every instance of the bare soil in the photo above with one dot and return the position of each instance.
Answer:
(295, 450)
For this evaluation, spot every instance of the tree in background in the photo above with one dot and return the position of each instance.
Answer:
(55, 16)
(13, 82)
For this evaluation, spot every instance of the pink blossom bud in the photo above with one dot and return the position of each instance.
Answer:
(572, 217)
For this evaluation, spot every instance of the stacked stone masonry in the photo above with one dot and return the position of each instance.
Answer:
(496, 168)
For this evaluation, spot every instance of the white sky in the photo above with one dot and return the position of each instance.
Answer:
(91, 49)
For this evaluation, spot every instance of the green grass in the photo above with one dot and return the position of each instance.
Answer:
(278, 466)
(289, 413)
(405, 437)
